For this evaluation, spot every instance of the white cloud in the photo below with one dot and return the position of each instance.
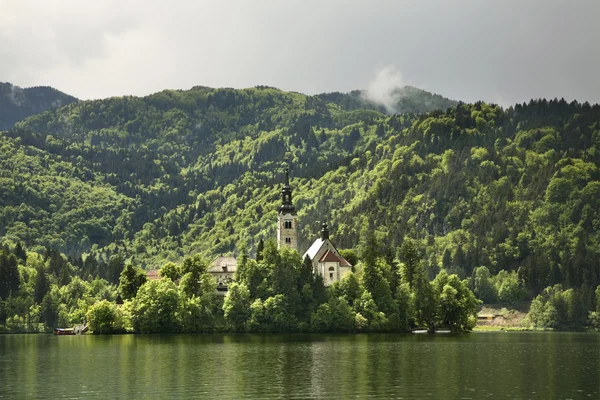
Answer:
(381, 88)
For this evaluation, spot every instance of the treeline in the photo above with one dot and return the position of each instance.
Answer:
(276, 292)
(42, 292)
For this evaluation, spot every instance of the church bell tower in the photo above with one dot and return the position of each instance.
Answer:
(286, 219)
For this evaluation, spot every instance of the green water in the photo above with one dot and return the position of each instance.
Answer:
(478, 366)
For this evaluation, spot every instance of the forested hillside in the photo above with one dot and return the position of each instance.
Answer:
(17, 103)
(177, 173)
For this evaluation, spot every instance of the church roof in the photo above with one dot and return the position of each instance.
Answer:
(223, 264)
(330, 256)
(313, 249)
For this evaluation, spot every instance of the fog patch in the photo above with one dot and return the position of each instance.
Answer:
(385, 88)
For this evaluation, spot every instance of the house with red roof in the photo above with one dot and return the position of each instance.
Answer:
(326, 260)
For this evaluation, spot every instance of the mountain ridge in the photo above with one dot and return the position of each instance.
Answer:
(18, 103)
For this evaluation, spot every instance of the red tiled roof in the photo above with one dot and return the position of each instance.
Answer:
(152, 275)
(330, 256)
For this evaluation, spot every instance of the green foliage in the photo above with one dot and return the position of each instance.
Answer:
(130, 281)
(557, 308)
(105, 317)
(457, 304)
(154, 308)
(334, 316)
(9, 275)
(170, 270)
(483, 287)
(236, 308)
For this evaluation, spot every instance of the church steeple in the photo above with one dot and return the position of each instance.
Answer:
(286, 219)
(286, 195)
(324, 231)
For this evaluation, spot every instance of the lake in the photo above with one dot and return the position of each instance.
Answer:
(515, 365)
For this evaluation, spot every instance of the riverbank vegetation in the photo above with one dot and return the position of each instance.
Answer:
(276, 293)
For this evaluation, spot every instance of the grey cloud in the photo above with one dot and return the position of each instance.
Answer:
(506, 52)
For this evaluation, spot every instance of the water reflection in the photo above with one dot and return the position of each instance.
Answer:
(517, 365)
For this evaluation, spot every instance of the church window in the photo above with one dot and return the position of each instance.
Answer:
(288, 240)
(288, 224)
(331, 269)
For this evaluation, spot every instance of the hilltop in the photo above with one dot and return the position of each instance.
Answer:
(17, 103)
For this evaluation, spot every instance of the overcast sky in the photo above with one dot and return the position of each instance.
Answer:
(498, 51)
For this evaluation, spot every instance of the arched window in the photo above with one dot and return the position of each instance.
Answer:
(331, 271)
(287, 224)
(288, 240)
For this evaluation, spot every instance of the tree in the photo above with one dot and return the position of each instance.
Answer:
(272, 315)
(115, 267)
(49, 310)
(424, 302)
(105, 317)
(483, 286)
(131, 279)
(9, 274)
(307, 275)
(154, 308)
(350, 256)
(170, 270)
(410, 256)
(236, 307)
(20, 252)
(510, 288)
(334, 316)
(350, 288)
(42, 284)
(259, 250)
(195, 280)
(457, 304)
(375, 277)
(196, 315)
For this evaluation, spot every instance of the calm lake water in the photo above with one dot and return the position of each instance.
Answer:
(477, 366)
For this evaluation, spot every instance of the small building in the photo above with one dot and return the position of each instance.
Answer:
(152, 275)
(326, 260)
(223, 269)
(287, 232)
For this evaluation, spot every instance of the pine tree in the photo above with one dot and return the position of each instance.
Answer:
(259, 250)
(20, 252)
(42, 284)
(9, 274)
(130, 280)
(412, 261)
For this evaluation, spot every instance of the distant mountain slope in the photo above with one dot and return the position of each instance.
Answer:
(405, 100)
(17, 103)
(199, 171)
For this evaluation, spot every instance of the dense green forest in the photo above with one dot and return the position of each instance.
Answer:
(507, 199)
(17, 103)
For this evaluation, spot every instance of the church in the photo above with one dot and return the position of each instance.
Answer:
(326, 260)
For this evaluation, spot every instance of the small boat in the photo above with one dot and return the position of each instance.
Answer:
(63, 331)
(76, 330)
(423, 330)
